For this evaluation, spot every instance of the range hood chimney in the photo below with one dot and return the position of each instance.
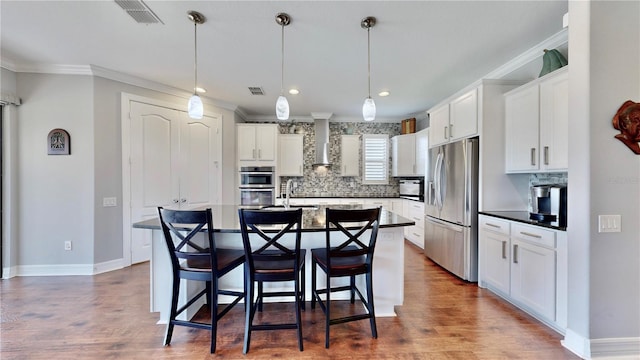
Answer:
(321, 121)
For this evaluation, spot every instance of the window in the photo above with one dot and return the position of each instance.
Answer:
(375, 159)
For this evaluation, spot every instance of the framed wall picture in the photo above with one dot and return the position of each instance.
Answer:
(58, 142)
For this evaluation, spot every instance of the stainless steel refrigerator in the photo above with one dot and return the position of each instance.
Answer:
(451, 208)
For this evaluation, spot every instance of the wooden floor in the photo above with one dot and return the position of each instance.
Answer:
(107, 317)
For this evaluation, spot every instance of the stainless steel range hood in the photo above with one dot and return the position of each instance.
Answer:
(321, 121)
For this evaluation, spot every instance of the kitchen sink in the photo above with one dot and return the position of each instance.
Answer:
(281, 207)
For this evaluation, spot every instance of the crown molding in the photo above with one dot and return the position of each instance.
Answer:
(556, 40)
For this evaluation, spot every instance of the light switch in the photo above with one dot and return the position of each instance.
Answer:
(609, 223)
(109, 201)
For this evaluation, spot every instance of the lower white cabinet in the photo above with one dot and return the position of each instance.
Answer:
(526, 265)
(414, 210)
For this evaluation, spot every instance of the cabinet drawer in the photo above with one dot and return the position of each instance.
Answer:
(495, 225)
(534, 235)
(415, 212)
(415, 235)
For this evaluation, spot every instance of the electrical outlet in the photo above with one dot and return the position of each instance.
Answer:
(609, 223)
(67, 245)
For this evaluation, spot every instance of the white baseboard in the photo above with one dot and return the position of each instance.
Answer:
(610, 348)
(9, 272)
(55, 270)
(64, 269)
(108, 266)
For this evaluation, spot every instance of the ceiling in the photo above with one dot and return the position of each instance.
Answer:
(421, 51)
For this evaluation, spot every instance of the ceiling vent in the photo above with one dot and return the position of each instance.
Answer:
(139, 11)
(256, 90)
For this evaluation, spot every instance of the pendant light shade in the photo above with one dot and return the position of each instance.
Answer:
(194, 107)
(282, 105)
(369, 106)
(282, 108)
(369, 109)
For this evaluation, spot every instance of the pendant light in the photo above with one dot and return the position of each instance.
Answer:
(369, 107)
(194, 107)
(282, 105)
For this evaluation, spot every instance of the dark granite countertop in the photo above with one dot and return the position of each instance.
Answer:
(523, 217)
(225, 218)
(340, 197)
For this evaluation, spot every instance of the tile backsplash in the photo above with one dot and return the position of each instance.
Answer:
(328, 182)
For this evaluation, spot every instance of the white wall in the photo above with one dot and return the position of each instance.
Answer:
(55, 196)
(604, 268)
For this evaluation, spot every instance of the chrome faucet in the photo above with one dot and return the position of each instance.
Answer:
(288, 193)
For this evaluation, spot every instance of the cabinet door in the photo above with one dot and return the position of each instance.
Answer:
(266, 136)
(533, 280)
(494, 260)
(554, 122)
(350, 155)
(463, 119)
(290, 155)
(403, 153)
(422, 150)
(246, 139)
(521, 130)
(439, 125)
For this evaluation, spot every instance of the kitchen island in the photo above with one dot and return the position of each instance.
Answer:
(388, 263)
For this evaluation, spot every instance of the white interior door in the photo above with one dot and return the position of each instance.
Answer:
(174, 163)
(155, 151)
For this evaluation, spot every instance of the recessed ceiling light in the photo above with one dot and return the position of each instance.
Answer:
(201, 90)
(383, 93)
(294, 92)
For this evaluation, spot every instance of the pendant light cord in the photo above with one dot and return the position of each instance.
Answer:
(195, 58)
(369, 58)
(282, 63)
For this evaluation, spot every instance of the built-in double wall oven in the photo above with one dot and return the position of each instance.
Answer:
(257, 185)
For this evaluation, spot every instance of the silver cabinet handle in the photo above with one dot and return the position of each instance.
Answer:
(546, 155)
(515, 253)
(450, 130)
(445, 132)
(183, 200)
(254, 154)
(259, 153)
(533, 156)
(175, 201)
(504, 249)
(494, 225)
(530, 234)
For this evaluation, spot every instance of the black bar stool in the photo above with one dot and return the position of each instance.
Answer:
(192, 261)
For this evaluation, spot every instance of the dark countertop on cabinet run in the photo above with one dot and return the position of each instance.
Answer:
(340, 197)
(225, 218)
(523, 217)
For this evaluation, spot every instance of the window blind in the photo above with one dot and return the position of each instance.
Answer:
(375, 159)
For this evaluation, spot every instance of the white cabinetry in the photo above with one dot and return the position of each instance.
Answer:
(290, 155)
(536, 126)
(350, 155)
(403, 155)
(414, 210)
(526, 265)
(455, 120)
(257, 144)
(409, 153)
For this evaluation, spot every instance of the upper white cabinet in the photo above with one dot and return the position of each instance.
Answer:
(290, 155)
(409, 153)
(257, 144)
(350, 155)
(457, 119)
(403, 155)
(536, 125)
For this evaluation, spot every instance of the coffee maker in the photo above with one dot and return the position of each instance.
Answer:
(549, 204)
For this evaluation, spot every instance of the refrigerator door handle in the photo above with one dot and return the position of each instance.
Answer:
(437, 180)
(453, 227)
